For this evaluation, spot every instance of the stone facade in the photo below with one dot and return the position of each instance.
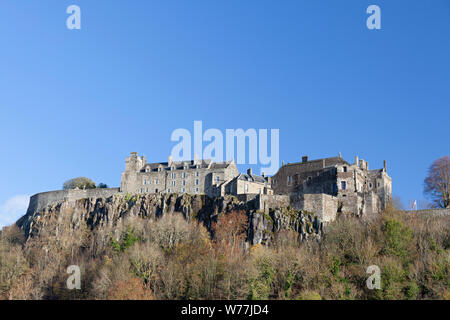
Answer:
(193, 177)
(215, 179)
(249, 184)
(331, 185)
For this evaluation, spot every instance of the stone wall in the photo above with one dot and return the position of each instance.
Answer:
(41, 200)
(264, 202)
(437, 212)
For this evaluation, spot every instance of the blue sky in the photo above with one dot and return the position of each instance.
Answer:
(76, 102)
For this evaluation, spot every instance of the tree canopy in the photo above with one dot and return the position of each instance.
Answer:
(80, 183)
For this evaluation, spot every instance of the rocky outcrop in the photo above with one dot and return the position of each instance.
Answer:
(264, 225)
(108, 212)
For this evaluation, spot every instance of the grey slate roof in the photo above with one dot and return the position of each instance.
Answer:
(251, 178)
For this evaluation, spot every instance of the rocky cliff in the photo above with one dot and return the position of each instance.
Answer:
(109, 212)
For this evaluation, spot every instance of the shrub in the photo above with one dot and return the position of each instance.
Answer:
(80, 183)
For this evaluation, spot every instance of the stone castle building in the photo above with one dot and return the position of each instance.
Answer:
(214, 179)
(333, 185)
(324, 186)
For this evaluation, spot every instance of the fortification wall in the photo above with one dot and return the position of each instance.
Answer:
(264, 202)
(41, 200)
(436, 212)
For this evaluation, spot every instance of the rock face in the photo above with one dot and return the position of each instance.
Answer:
(108, 212)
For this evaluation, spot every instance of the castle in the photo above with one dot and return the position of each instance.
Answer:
(215, 179)
(324, 186)
(333, 185)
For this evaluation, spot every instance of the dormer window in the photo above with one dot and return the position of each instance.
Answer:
(172, 168)
(147, 170)
(197, 166)
(344, 169)
(159, 169)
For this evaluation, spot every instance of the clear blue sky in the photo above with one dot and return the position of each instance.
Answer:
(75, 103)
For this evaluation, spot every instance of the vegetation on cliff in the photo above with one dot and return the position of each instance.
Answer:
(172, 257)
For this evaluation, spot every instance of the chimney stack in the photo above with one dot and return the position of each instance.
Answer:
(357, 161)
(249, 171)
(384, 165)
(263, 174)
(170, 161)
(305, 159)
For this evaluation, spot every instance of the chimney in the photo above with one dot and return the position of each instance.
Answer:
(357, 161)
(384, 165)
(195, 159)
(170, 161)
(249, 171)
(282, 163)
(263, 174)
(305, 159)
(340, 155)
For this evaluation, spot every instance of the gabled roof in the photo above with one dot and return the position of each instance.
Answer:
(180, 165)
(251, 178)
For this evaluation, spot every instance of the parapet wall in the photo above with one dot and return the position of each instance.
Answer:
(434, 212)
(41, 200)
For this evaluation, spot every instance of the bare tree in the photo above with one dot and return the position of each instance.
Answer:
(437, 184)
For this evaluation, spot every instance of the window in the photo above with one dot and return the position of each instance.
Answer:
(217, 178)
(289, 179)
(147, 170)
(156, 190)
(172, 168)
(309, 179)
(343, 185)
(183, 174)
(196, 174)
(246, 188)
(370, 186)
(146, 190)
(145, 182)
(174, 175)
(183, 190)
(344, 169)
(173, 183)
(196, 189)
(159, 169)
(378, 184)
(196, 182)
(184, 182)
(168, 190)
(142, 190)
(156, 181)
(197, 166)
